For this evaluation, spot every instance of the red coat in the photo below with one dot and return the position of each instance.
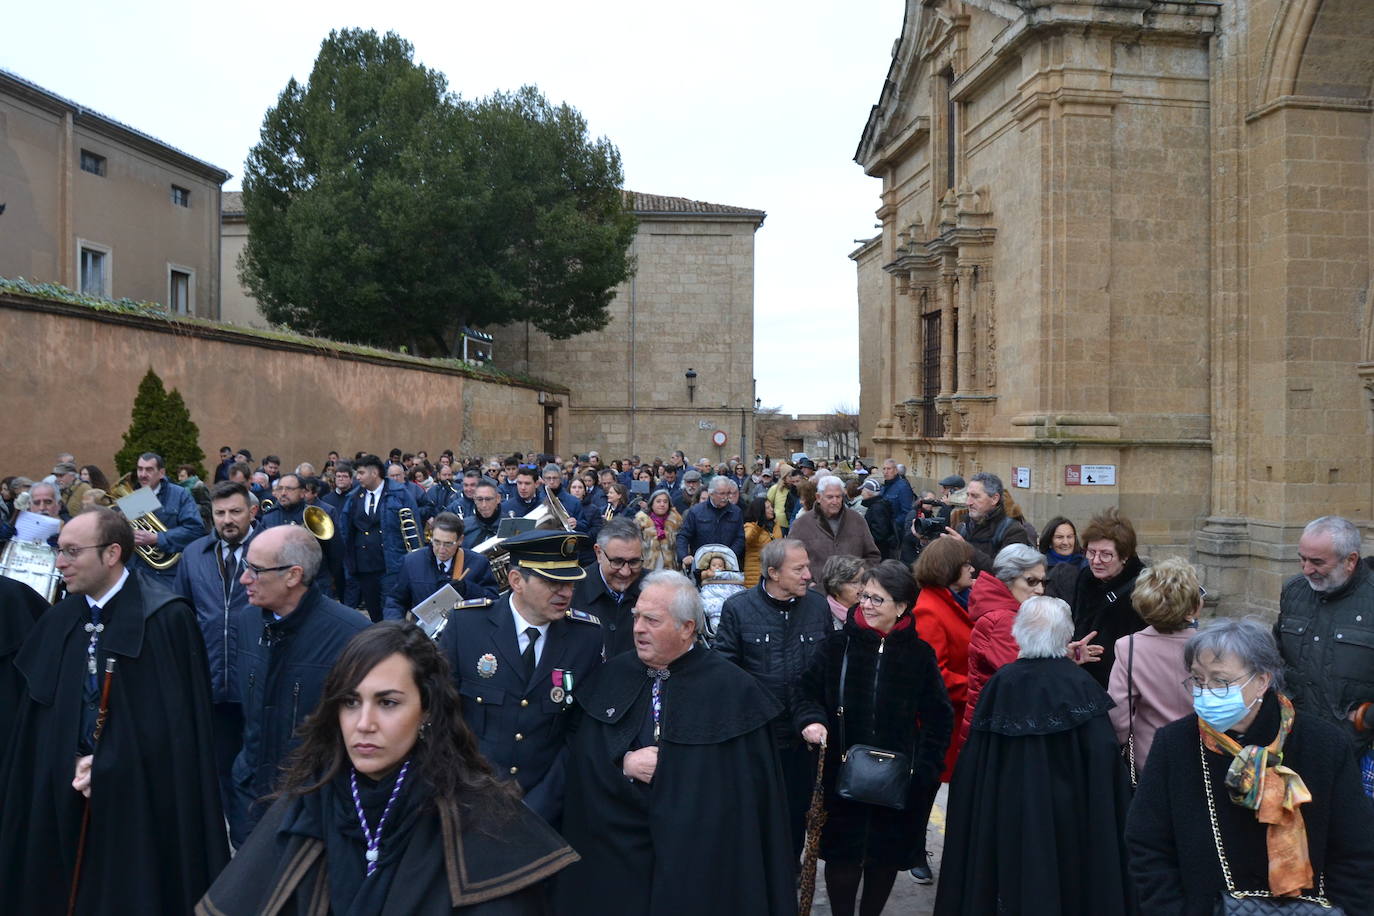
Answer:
(943, 622)
(993, 609)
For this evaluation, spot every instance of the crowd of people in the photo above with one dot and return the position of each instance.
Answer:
(382, 690)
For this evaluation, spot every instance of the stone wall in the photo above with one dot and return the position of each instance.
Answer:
(71, 373)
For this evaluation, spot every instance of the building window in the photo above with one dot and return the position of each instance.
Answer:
(930, 373)
(93, 269)
(179, 291)
(92, 162)
(181, 196)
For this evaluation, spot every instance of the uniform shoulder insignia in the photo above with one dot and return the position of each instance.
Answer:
(583, 616)
(472, 603)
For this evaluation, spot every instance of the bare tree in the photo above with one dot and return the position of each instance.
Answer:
(841, 427)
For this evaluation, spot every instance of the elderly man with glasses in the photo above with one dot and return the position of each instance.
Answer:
(447, 562)
(285, 651)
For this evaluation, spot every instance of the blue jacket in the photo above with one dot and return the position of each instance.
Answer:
(521, 722)
(181, 516)
(282, 667)
(705, 524)
(394, 498)
(419, 578)
(898, 492)
(515, 507)
(198, 581)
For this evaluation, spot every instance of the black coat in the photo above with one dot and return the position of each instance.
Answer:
(774, 641)
(1173, 855)
(1038, 802)
(1105, 607)
(20, 606)
(912, 715)
(449, 861)
(990, 534)
(156, 835)
(878, 514)
(282, 667)
(709, 834)
(617, 623)
(419, 578)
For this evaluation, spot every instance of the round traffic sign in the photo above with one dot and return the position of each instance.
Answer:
(719, 437)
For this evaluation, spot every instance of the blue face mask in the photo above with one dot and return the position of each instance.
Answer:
(1221, 712)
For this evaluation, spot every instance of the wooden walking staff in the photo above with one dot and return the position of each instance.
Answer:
(101, 713)
(815, 820)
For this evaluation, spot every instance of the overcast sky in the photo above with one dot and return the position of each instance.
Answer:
(755, 103)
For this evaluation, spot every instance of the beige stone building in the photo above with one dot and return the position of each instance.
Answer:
(689, 308)
(99, 207)
(1126, 249)
(237, 305)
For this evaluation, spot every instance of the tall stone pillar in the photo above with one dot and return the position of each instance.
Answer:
(965, 382)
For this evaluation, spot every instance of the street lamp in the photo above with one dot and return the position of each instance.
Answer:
(691, 385)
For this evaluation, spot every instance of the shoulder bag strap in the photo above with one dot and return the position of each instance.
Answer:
(844, 674)
(1130, 709)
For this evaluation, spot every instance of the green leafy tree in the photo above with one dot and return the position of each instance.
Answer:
(384, 209)
(160, 423)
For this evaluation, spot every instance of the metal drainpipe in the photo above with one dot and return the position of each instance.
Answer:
(634, 394)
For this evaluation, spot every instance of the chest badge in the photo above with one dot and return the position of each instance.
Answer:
(486, 665)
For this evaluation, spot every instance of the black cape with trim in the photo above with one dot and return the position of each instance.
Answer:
(156, 836)
(1037, 806)
(709, 835)
(20, 606)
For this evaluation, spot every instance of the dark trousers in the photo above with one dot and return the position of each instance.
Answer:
(927, 800)
(370, 592)
(798, 778)
(226, 734)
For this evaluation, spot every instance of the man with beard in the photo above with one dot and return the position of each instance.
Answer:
(708, 832)
(208, 577)
(1325, 631)
(155, 835)
(987, 528)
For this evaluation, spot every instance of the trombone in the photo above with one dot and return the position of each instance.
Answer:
(410, 532)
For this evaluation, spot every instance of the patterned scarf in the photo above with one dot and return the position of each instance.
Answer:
(1276, 802)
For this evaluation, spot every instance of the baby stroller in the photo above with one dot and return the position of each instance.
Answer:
(718, 576)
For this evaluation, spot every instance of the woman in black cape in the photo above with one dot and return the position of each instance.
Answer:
(1037, 806)
(387, 807)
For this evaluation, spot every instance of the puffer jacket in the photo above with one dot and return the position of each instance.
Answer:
(774, 641)
(198, 581)
(992, 608)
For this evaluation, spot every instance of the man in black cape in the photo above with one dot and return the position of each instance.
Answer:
(1037, 806)
(20, 606)
(675, 799)
(156, 836)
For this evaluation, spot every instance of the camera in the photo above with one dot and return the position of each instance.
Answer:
(930, 527)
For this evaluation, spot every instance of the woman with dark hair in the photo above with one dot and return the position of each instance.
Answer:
(387, 806)
(1101, 596)
(1063, 556)
(760, 527)
(95, 477)
(885, 678)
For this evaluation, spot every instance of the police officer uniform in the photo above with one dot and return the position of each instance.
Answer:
(521, 716)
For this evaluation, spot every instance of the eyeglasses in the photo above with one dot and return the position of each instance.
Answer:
(71, 553)
(485, 499)
(624, 563)
(1217, 688)
(1105, 556)
(1033, 581)
(447, 545)
(253, 572)
(875, 600)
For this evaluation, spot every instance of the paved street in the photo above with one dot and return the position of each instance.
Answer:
(908, 898)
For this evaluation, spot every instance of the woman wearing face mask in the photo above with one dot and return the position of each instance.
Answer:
(1247, 781)
(387, 806)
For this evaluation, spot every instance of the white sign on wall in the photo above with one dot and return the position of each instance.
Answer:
(1021, 477)
(1099, 475)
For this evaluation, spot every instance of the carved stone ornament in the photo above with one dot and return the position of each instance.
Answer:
(990, 364)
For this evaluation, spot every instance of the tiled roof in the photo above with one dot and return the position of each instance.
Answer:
(657, 203)
(80, 111)
(232, 205)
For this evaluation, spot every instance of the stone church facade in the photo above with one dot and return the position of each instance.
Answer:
(1133, 235)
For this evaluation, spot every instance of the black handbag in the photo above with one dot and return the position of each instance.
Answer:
(871, 775)
(1258, 903)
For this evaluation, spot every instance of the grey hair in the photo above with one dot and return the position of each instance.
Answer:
(1249, 640)
(300, 548)
(685, 605)
(990, 481)
(828, 481)
(1345, 537)
(619, 528)
(1043, 627)
(774, 553)
(722, 483)
(56, 492)
(840, 570)
(1014, 560)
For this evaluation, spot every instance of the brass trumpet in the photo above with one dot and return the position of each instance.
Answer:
(410, 532)
(318, 522)
(157, 559)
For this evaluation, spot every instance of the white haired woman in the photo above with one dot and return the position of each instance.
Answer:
(1246, 781)
(1039, 797)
